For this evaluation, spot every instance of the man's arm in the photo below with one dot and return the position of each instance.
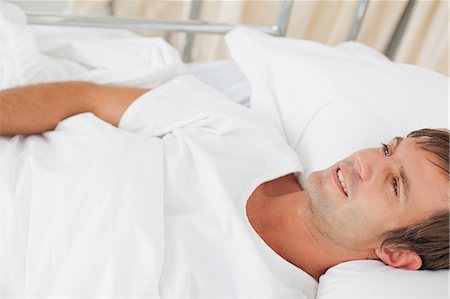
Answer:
(39, 108)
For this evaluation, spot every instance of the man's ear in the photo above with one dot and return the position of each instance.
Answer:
(399, 258)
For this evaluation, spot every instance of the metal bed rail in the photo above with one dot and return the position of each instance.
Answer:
(137, 24)
(141, 24)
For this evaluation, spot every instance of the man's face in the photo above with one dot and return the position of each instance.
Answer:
(385, 188)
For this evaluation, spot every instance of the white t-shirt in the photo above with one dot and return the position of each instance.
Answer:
(216, 153)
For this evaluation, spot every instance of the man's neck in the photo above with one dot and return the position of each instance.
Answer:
(285, 222)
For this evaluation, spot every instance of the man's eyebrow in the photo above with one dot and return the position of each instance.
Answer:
(403, 177)
(398, 140)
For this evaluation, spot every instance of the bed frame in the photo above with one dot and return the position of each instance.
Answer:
(193, 25)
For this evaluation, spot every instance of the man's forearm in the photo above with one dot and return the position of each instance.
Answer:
(38, 108)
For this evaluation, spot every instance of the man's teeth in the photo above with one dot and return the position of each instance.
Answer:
(341, 180)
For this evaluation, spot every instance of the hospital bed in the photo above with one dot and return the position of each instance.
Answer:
(233, 79)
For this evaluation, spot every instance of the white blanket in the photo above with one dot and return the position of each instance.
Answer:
(153, 209)
(82, 212)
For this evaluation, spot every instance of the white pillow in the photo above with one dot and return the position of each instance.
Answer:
(362, 279)
(332, 101)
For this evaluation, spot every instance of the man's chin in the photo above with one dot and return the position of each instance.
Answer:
(316, 183)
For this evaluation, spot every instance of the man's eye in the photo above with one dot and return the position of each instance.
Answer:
(387, 153)
(395, 185)
(385, 149)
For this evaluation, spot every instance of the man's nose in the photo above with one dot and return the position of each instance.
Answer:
(368, 163)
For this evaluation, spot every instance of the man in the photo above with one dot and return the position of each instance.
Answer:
(389, 203)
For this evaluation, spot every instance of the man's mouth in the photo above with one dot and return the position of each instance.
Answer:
(340, 182)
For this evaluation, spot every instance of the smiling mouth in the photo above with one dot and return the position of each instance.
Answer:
(341, 181)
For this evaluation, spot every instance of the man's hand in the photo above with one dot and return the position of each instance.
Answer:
(39, 108)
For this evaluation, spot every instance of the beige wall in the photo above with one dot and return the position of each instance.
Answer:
(425, 41)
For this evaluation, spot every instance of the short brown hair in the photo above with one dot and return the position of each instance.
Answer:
(429, 239)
